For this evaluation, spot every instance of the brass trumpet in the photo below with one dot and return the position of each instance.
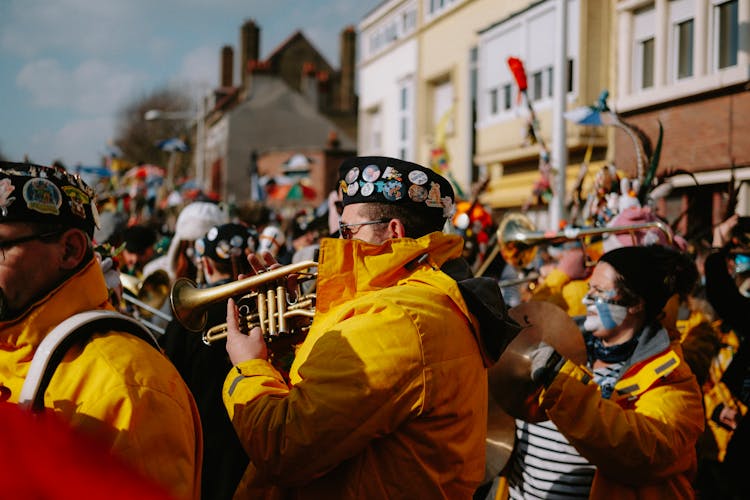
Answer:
(277, 310)
(517, 238)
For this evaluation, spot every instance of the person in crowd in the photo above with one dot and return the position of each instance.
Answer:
(387, 395)
(273, 240)
(110, 384)
(222, 254)
(626, 424)
(139, 249)
(564, 283)
(723, 292)
(193, 222)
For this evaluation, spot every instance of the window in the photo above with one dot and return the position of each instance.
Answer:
(570, 75)
(435, 7)
(442, 104)
(647, 63)
(550, 81)
(494, 107)
(644, 34)
(507, 96)
(684, 49)
(374, 129)
(727, 33)
(536, 89)
(404, 118)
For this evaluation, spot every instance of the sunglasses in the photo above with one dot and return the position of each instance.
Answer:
(345, 230)
(5, 245)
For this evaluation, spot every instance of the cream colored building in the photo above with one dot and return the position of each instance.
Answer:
(433, 73)
(416, 79)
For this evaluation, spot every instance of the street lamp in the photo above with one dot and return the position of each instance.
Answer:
(157, 114)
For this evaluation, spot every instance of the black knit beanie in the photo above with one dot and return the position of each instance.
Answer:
(654, 273)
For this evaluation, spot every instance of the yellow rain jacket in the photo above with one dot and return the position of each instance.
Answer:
(642, 440)
(388, 393)
(115, 387)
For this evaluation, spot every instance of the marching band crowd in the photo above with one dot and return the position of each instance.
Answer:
(344, 352)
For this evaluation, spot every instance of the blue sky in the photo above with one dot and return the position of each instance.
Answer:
(67, 66)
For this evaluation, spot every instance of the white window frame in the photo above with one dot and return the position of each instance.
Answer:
(714, 55)
(431, 13)
(374, 129)
(404, 120)
(442, 104)
(643, 35)
(680, 11)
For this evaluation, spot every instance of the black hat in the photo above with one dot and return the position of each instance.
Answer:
(222, 242)
(139, 238)
(34, 193)
(379, 179)
(654, 273)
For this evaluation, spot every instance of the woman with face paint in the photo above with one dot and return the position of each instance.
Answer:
(626, 424)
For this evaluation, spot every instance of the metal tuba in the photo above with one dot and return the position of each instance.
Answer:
(264, 300)
(518, 239)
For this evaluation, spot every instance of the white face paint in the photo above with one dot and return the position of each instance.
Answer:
(604, 316)
(593, 322)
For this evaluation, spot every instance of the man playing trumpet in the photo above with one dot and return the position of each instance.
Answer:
(388, 393)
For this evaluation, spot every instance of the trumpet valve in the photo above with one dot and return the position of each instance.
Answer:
(272, 312)
(281, 301)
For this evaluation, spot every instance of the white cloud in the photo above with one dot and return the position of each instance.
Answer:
(93, 87)
(200, 68)
(79, 141)
(87, 26)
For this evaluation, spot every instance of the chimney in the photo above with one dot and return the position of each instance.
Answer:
(249, 46)
(226, 75)
(348, 60)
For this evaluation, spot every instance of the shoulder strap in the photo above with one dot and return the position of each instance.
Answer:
(77, 328)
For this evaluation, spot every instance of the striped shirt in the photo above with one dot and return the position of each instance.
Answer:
(545, 465)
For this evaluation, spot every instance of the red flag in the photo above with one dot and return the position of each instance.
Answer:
(516, 67)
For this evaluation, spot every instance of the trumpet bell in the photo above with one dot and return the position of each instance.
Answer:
(192, 318)
(510, 381)
(516, 246)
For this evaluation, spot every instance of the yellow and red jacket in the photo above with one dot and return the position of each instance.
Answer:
(388, 392)
(642, 440)
(115, 387)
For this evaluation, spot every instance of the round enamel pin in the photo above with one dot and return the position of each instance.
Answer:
(352, 175)
(371, 173)
(418, 177)
(417, 193)
(367, 188)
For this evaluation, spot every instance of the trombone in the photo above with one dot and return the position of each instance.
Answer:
(278, 312)
(517, 238)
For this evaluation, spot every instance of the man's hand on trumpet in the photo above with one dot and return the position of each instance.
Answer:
(241, 347)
